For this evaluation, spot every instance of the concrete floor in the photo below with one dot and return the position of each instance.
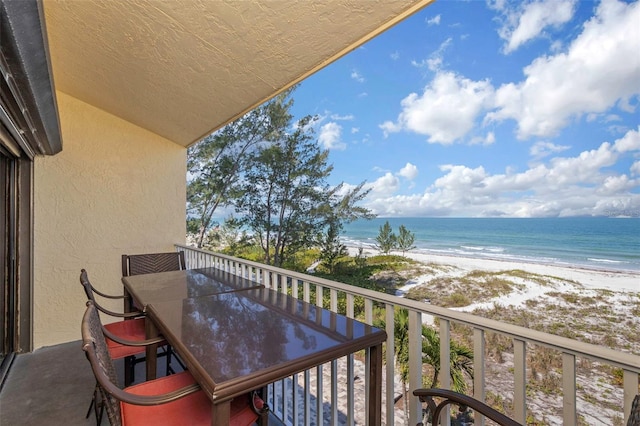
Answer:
(53, 386)
(50, 386)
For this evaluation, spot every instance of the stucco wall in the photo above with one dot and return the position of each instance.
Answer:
(115, 188)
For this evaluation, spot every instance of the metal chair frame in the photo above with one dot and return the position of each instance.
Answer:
(450, 397)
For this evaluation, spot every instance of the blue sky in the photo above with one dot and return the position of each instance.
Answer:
(473, 108)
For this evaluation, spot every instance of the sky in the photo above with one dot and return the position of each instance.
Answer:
(489, 109)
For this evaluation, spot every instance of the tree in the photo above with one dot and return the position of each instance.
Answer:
(386, 239)
(331, 248)
(405, 240)
(216, 164)
(285, 199)
(461, 359)
(232, 237)
(283, 187)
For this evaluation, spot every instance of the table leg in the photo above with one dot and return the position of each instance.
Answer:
(375, 386)
(221, 413)
(151, 355)
(128, 301)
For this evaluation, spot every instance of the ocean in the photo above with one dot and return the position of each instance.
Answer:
(589, 242)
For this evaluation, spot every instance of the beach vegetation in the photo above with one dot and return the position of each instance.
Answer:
(386, 239)
(405, 240)
(461, 356)
(331, 248)
(460, 362)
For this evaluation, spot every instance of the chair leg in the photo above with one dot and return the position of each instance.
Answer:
(99, 415)
(96, 404)
(129, 370)
(93, 400)
(169, 369)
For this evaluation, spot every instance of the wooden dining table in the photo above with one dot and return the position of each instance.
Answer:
(235, 335)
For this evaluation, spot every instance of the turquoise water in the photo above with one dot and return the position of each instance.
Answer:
(592, 242)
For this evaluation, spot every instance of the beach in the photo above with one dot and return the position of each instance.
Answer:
(596, 306)
(617, 281)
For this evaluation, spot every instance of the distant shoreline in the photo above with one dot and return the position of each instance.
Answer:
(601, 278)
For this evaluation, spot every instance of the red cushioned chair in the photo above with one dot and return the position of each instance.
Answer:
(170, 400)
(125, 339)
(131, 329)
(152, 263)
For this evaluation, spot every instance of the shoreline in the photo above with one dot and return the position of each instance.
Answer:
(615, 280)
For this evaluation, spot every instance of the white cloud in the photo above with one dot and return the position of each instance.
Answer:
(357, 76)
(355, 130)
(434, 21)
(629, 142)
(384, 185)
(531, 19)
(447, 109)
(389, 127)
(330, 136)
(489, 139)
(409, 171)
(348, 117)
(395, 55)
(435, 60)
(601, 69)
(563, 186)
(544, 149)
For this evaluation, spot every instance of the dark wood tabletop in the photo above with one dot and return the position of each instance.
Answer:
(175, 285)
(244, 338)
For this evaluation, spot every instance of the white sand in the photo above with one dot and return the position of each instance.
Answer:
(589, 278)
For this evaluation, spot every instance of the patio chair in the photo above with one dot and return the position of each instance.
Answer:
(126, 339)
(137, 264)
(450, 397)
(151, 263)
(170, 400)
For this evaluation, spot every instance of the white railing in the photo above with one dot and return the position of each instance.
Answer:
(310, 393)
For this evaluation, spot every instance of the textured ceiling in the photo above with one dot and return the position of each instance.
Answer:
(183, 68)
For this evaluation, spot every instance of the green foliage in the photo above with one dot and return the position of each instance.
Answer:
(386, 239)
(360, 259)
(233, 238)
(285, 199)
(216, 164)
(460, 362)
(283, 189)
(331, 249)
(405, 240)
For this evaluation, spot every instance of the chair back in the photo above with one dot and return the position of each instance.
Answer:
(137, 264)
(86, 285)
(95, 347)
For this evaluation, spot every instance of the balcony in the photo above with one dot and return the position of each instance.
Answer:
(334, 393)
(340, 402)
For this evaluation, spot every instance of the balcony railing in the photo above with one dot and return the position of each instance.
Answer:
(301, 399)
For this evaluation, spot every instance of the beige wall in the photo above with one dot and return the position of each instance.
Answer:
(115, 188)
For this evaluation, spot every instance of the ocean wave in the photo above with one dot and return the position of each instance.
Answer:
(593, 259)
(491, 249)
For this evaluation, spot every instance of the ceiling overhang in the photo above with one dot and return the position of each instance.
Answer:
(185, 68)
